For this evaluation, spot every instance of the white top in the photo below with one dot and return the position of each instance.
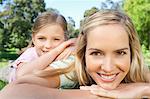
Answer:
(65, 82)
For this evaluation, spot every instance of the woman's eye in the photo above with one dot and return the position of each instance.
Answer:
(121, 53)
(96, 53)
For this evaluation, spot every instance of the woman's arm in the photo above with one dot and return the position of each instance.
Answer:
(30, 91)
(43, 61)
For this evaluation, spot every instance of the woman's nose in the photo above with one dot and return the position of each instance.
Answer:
(108, 64)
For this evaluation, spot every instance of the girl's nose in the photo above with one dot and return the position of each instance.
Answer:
(48, 45)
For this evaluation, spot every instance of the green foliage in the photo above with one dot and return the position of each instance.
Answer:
(139, 11)
(74, 34)
(146, 55)
(2, 84)
(1, 1)
(90, 12)
(71, 27)
(18, 17)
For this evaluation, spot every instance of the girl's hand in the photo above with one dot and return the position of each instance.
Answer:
(66, 53)
(132, 90)
(68, 50)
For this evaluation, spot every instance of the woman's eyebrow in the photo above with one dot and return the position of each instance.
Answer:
(94, 49)
(126, 48)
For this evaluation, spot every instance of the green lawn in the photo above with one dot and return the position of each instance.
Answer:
(2, 84)
(5, 63)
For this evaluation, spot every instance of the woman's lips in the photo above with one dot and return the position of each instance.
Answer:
(107, 77)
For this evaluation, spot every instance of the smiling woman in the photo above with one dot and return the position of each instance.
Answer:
(108, 62)
(109, 51)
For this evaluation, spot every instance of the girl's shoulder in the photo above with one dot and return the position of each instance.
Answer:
(27, 56)
(30, 52)
(31, 49)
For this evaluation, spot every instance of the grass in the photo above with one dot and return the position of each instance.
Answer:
(2, 84)
(4, 63)
(10, 54)
(5, 56)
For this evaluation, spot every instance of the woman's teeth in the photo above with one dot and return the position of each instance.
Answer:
(108, 76)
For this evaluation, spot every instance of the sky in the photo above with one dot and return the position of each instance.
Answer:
(73, 8)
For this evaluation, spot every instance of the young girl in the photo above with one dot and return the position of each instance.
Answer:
(49, 35)
(108, 55)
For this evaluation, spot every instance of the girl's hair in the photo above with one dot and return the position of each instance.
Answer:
(48, 18)
(137, 69)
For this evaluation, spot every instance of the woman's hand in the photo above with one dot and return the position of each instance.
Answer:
(130, 90)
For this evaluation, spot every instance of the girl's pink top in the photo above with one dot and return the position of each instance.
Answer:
(27, 56)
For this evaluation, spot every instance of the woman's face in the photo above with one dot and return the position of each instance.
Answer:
(108, 55)
(48, 38)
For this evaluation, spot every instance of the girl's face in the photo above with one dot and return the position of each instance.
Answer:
(48, 38)
(108, 55)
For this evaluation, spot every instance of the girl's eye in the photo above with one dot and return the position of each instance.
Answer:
(56, 39)
(41, 39)
(121, 53)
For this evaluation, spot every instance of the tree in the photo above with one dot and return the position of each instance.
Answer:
(18, 17)
(90, 11)
(52, 10)
(1, 34)
(139, 11)
(110, 4)
(71, 27)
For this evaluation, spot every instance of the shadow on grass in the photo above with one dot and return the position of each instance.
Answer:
(8, 56)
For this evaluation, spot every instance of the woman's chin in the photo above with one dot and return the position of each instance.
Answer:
(108, 87)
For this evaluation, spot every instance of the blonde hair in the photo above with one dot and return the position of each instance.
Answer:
(137, 69)
(47, 18)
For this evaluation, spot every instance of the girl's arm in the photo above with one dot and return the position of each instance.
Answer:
(43, 61)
